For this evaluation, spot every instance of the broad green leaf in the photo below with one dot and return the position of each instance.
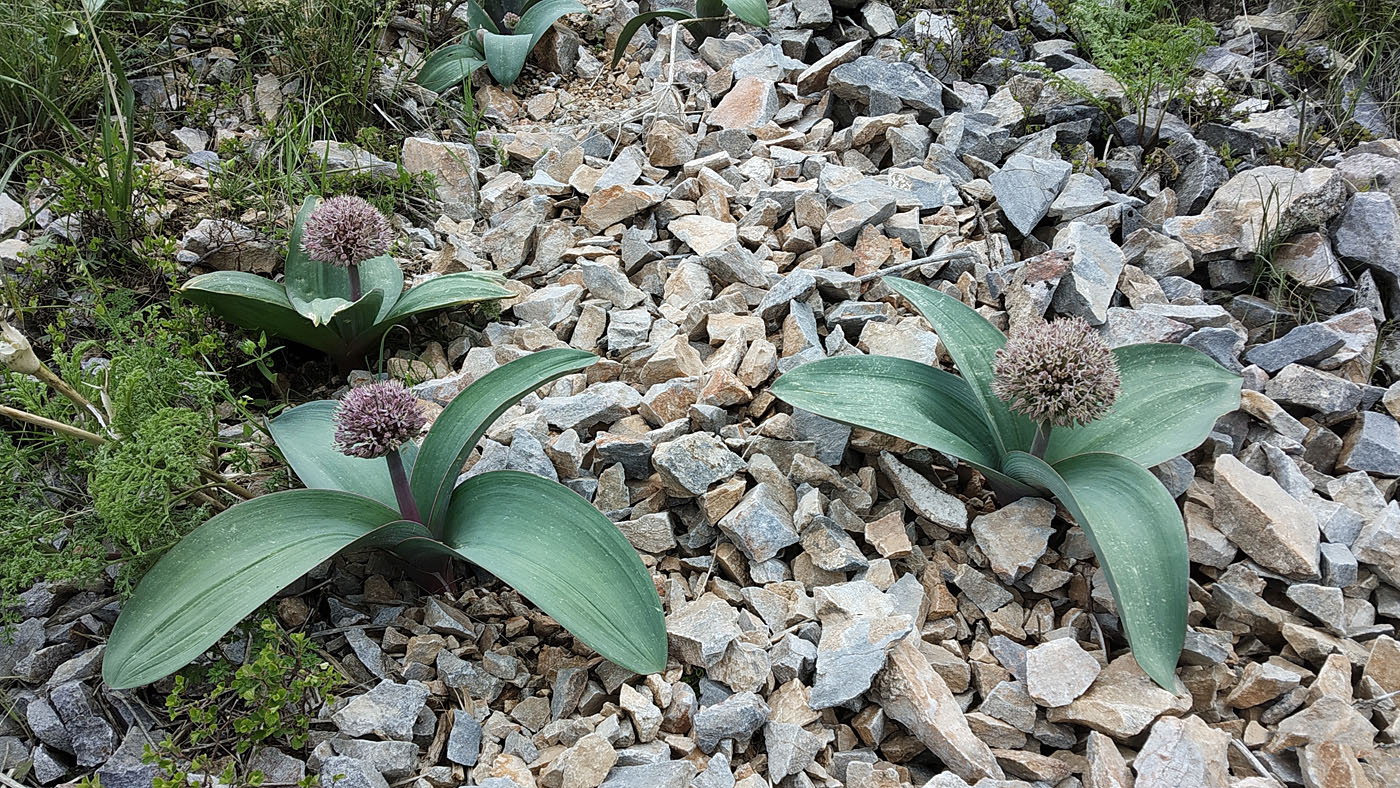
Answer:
(1170, 400)
(224, 569)
(1136, 532)
(635, 23)
(450, 66)
(539, 17)
(895, 396)
(755, 12)
(558, 551)
(256, 303)
(480, 18)
(467, 417)
(360, 319)
(309, 281)
(712, 13)
(446, 291)
(505, 55)
(305, 435)
(973, 343)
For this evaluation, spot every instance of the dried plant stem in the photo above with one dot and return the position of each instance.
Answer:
(97, 440)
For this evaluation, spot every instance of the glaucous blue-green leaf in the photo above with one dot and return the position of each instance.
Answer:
(467, 417)
(973, 343)
(1170, 400)
(895, 396)
(505, 55)
(540, 16)
(253, 302)
(755, 12)
(635, 23)
(224, 569)
(446, 291)
(305, 435)
(1136, 532)
(449, 66)
(562, 554)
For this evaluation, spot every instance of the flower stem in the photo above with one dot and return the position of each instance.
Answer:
(1042, 439)
(354, 283)
(407, 506)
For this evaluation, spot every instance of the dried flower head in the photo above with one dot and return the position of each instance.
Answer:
(346, 231)
(375, 419)
(16, 354)
(1059, 373)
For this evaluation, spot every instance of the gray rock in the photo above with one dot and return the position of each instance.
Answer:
(1309, 388)
(602, 403)
(1096, 263)
(1305, 344)
(1223, 345)
(389, 711)
(691, 463)
(393, 759)
(605, 281)
(1372, 445)
(666, 774)
(885, 87)
(700, 632)
(1026, 186)
(831, 548)
(454, 167)
(92, 737)
(1014, 537)
(1368, 232)
(1059, 671)
(464, 740)
(339, 771)
(1267, 523)
(923, 497)
(549, 306)
(859, 627)
(737, 717)
(760, 524)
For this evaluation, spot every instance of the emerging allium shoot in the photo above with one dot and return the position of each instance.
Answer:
(346, 231)
(1057, 374)
(374, 421)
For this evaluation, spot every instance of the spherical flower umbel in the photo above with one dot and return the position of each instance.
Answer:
(345, 231)
(1058, 373)
(375, 419)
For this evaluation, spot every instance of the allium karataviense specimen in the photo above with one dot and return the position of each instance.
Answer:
(333, 298)
(1102, 430)
(1057, 374)
(346, 231)
(536, 535)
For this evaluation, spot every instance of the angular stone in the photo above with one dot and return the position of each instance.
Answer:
(1026, 186)
(737, 717)
(704, 234)
(1122, 701)
(454, 168)
(1369, 232)
(1372, 445)
(1059, 671)
(752, 102)
(1266, 522)
(1014, 537)
(760, 524)
(911, 692)
(700, 632)
(389, 711)
(614, 204)
(923, 497)
(884, 86)
(1306, 344)
(1306, 387)
(690, 464)
(859, 627)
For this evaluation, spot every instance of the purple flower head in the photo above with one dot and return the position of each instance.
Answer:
(1059, 373)
(345, 231)
(376, 419)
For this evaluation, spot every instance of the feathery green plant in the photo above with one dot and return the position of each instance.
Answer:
(1091, 457)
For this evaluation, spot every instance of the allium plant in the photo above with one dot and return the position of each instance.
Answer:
(341, 290)
(1052, 412)
(370, 485)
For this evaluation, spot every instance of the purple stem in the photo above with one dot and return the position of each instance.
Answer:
(354, 283)
(407, 506)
